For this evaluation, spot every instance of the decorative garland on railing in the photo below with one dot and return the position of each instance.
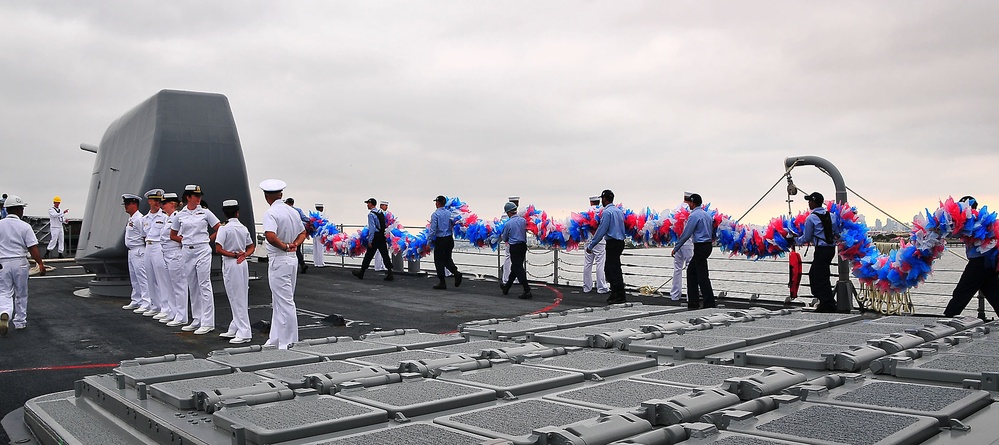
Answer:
(899, 270)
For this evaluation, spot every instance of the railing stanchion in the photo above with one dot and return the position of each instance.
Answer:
(555, 268)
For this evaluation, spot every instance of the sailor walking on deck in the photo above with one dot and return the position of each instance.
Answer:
(135, 241)
(979, 275)
(318, 249)
(818, 231)
(506, 252)
(389, 221)
(376, 241)
(57, 219)
(158, 284)
(681, 260)
(597, 257)
(611, 227)
(285, 233)
(194, 227)
(515, 235)
(234, 244)
(175, 287)
(441, 233)
(16, 240)
(700, 231)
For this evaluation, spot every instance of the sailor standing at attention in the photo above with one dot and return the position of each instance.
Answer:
(681, 260)
(194, 227)
(234, 244)
(515, 235)
(441, 233)
(611, 227)
(700, 231)
(376, 240)
(175, 287)
(157, 277)
(318, 249)
(506, 252)
(135, 241)
(57, 218)
(16, 239)
(389, 222)
(285, 232)
(597, 258)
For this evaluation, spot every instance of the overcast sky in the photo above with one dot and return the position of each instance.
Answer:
(552, 101)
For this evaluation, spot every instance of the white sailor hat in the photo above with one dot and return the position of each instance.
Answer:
(154, 194)
(384, 203)
(595, 198)
(14, 201)
(230, 203)
(125, 199)
(513, 198)
(272, 185)
(686, 195)
(192, 189)
(170, 197)
(319, 204)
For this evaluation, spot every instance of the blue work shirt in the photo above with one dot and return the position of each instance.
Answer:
(441, 224)
(515, 230)
(374, 225)
(301, 214)
(611, 225)
(814, 231)
(699, 228)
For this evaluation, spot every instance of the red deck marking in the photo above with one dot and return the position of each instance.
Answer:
(61, 368)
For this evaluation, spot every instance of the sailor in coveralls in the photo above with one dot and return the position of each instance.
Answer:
(191, 229)
(285, 233)
(234, 244)
(16, 239)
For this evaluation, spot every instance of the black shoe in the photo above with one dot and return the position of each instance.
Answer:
(304, 269)
(389, 277)
(358, 274)
(827, 309)
(440, 286)
(60, 256)
(526, 296)
(506, 290)
(47, 253)
(457, 279)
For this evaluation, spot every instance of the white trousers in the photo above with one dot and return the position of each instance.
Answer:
(282, 275)
(597, 258)
(680, 262)
(236, 278)
(317, 252)
(379, 262)
(58, 240)
(176, 284)
(156, 277)
(137, 276)
(198, 271)
(14, 289)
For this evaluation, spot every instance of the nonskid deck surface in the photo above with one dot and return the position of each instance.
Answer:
(511, 393)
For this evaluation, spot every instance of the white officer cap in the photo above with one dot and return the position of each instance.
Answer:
(192, 189)
(319, 204)
(14, 201)
(230, 203)
(384, 203)
(125, 199)
(154, 194)
(272, 185)
(595, 198)
(513, 198)
(171, 197)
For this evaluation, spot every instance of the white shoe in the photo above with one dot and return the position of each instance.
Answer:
(190, 328)
(228, 335)
(599, 291)
(164, 320)
(175, 323)
(150, 313)
(160, 315)
(140, 310)
(674, 298)
(130, 306)
(204, 330)
(238, 340)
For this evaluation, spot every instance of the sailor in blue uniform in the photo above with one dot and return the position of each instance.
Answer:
(377, 224)
(611, 227)
(515, 235)
(441, 233)
(700, 231)
(979, 275)
(818, 231)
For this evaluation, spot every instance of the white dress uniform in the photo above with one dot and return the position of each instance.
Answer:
(234, 237)
(680, 262)
(157, 278)
(282, 267)
(192, 226)
(318, 249)
(135, 241)
(175, 286)
(57, 217)
(596, 257)
(16, 237)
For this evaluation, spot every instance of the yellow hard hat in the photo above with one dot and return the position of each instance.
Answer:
(57, 199)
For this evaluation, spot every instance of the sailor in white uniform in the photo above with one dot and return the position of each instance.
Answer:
(57, 218)
(157, 277)
(595, 257)
(285, 232)
(681, 260)
(16, 240)
(389, 219)
(194, 227)
(506, 251)
(175, 287)
(135, 241)
(234, 244)
(318, 249)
